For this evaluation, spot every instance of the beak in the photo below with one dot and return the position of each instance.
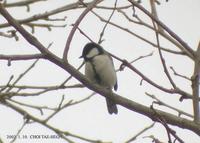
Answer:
(81, 57)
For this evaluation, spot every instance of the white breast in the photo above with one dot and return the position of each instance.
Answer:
(105, 70)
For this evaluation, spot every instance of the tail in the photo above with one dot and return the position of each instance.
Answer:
(112, 107)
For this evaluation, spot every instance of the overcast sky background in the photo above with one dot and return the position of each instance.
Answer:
(90, 119)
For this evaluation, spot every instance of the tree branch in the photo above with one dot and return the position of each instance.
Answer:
(63, 134)
(21, 57)
(136, 35)
(75, 26)
(160, 31)
(131, 105)
(195, 86)
(104, 28)
(186, 48)
(21, 3)
(161, 103)
(139, 133)
(45, 14)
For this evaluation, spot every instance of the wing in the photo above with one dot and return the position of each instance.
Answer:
(103, 66)
(115, 86)
(91, 73)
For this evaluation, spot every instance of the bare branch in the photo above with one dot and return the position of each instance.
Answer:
(159, 102)
(21, 57)
(160, 31)
(180, 75)
(10, 34)
(21, 3)
(104, 28)
(4, 87)
(154, 12)
(155, 140)
(139, 133)
(18, 132)
(48, 26)
(39, 108)
(111, 8)
(186, 49)
(121, 68)
(70, 77)
(136, 35)
(43, 87)
(21, 76)
(195, 87)
(169, 130)
(63, 134)
(78, 21)
(141, 57)
(177, 90)
(45, 15)
(83, 33)
(131, 105)
(70, 103)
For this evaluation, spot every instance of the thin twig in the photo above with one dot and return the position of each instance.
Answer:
(195, 86)
(4, 87)
(21, 57)
(170, 131)
(180, 75)
(76, 24)
(111, 8)
(70, 77)
(186, 47)
(160, 30)
(131, 67)
(139, 133)
(18, 132)
(22, 75)
(172, 119)
(121, 68)
(55, 87)
(104, 28)
(69, 103)
(158, 43)
(136, 35)
(63, 134)
(83, 33)
(10, 34)
(21, 3)
(46, 14)
(154, 140)
(159, 102)
(40, 108)
(195, 91)
(42, 25)
(141, 57)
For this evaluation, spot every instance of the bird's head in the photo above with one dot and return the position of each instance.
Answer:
(91, 50)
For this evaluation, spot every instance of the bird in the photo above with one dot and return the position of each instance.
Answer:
(99, 69)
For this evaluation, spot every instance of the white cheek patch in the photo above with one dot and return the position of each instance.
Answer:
(94, 52)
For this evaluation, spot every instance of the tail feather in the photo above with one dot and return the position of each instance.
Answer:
(112, 107)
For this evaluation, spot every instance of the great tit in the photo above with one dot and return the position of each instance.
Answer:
(99, 68)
